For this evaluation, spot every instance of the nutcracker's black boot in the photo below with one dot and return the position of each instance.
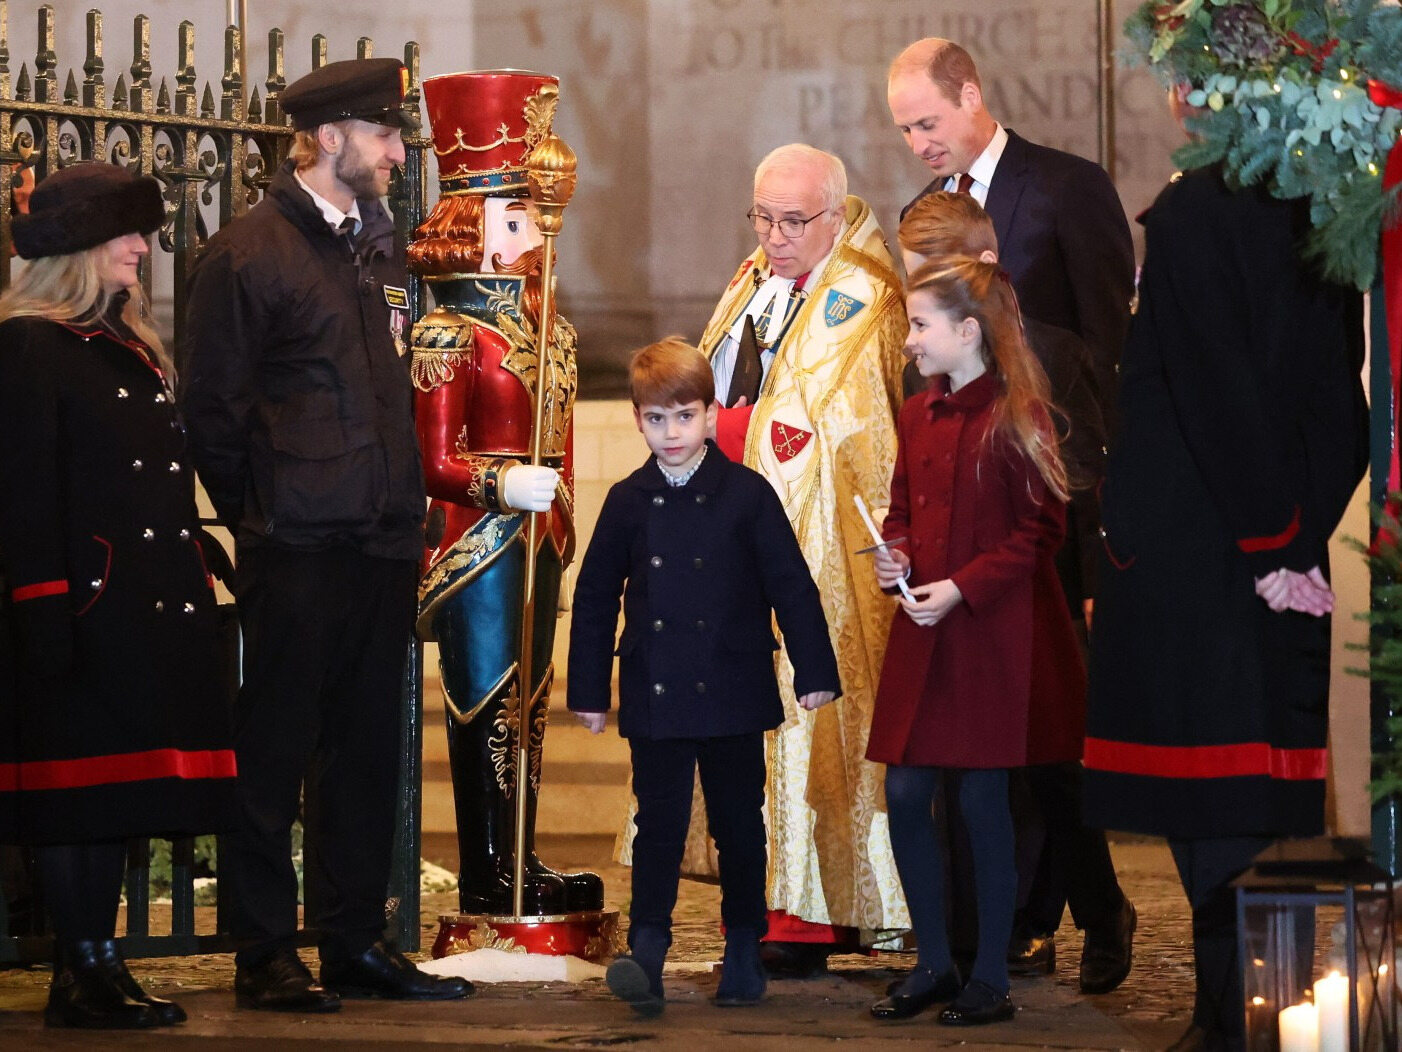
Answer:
(84, 994)
(482, 755)
(583, 890)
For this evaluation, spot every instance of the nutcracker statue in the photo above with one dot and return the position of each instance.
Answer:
(496, 456)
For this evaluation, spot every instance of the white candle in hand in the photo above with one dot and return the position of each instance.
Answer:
(1331, 1001)
(1299, 1028)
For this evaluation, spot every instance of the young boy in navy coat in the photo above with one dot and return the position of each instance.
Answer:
(702, 554)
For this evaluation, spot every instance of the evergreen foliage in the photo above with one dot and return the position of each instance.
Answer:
(1384, 646)
(1283, 91)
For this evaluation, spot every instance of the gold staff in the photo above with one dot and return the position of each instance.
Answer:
(550, 171)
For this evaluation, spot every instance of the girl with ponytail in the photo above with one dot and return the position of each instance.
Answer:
(977, 513)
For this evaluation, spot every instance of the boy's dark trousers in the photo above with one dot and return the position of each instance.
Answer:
(732, 781)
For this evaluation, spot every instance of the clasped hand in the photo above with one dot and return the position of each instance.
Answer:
(1306, 593)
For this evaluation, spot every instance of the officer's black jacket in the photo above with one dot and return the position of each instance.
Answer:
(297, 399)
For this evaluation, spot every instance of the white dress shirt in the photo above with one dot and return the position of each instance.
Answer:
(983, 167)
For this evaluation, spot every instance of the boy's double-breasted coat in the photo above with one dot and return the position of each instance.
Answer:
(999, 681)
(114, 695)
(700, 568)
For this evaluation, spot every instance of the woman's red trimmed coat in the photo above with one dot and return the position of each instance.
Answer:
(999, 682)
(114, 694)
(1243, 436)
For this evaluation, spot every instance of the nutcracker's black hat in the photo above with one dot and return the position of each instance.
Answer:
(85, 205)
(367, 89)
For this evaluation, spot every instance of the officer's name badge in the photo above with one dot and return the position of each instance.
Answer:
(840, 307)
(396, 297)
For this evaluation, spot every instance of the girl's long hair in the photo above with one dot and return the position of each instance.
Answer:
(68, 288)
(969, 288)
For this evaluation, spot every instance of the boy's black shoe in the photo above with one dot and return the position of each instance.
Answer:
(282, 983)
(742, 975)
(977, 1004)
(636, 977)
(382, 971)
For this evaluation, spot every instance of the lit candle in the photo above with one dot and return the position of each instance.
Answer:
(1331, 1000)
(1299, 1028)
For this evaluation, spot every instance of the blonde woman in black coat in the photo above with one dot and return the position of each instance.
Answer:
(113, 703)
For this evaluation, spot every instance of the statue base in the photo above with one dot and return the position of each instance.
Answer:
(590, 934)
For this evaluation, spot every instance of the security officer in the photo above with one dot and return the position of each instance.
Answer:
(300, 412)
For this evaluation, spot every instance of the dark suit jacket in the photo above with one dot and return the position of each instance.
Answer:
(1064, 239)
(700, 568)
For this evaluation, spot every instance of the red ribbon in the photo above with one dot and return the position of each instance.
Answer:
(1386, 95)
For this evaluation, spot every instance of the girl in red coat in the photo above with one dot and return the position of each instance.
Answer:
(978, 500)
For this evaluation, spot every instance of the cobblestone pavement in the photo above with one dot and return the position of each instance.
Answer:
(1147, 1012)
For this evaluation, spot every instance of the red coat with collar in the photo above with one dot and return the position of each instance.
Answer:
(999, 681)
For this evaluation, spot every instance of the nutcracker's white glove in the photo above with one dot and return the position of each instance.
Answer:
(525, 487)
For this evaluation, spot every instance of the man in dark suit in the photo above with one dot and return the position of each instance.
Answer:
(1065, 243)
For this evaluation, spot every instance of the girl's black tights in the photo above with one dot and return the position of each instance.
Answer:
(82, 885)
(911, 794)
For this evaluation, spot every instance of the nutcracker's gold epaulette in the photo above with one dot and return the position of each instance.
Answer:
(439, 341)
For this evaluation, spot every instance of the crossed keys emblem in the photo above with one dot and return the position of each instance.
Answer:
(787, 440)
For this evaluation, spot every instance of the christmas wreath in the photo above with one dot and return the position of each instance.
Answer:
(1301, 94)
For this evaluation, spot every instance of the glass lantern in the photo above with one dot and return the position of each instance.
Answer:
(1317, 949)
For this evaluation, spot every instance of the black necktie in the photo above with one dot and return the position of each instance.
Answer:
(347, 231)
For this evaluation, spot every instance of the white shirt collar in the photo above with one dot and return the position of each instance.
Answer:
(984, 165)
(330, 212)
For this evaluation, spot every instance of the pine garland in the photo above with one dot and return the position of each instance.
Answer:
(1384, 646)
(1282, 89)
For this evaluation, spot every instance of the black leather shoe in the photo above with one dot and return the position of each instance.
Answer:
(382, 971)
(83, 994)
(110, 954)
(899, 1005)
(977, 1004)
(1108, 953)
(1032, 955)
(282, 983)
(793, 960)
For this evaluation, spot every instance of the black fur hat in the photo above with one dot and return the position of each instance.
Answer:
(85, 205)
